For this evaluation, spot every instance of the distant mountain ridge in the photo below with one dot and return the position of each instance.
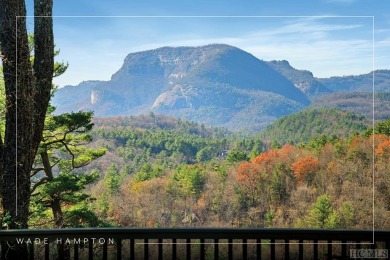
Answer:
(216, 84)
(302, 79)
(378, 81)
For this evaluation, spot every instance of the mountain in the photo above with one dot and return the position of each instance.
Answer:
(308, 123)
(302, 79)
(357, 102)
(219, 85)
(362, 82)
(215, 84)
(74, 98)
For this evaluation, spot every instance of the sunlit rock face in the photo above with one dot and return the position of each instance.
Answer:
(215, 84)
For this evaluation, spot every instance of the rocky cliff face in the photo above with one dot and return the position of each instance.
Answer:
(217, 84)
(302, 79)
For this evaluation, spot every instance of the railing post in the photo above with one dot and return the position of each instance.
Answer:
(188, 247)
(174, 249)
(300, 249)
(216, 249)
(258, 249)
(286, 249)
(372, 246)
(202, 251)
(315, 249)
(330, 253)
(132, 253)
(160, 249)
(90, 250)
(230, 249)
(118, 249)
(146, 248)
(244, 249)
(344, 249)
(387, 244)
(105, 251)
(358, 244)
(273, 255)
(47, 251)
(76, 252)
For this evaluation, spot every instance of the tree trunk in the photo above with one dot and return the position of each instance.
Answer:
(55, 203)
(18, 153)
(27, 98)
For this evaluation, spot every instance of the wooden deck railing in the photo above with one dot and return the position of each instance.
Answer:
(193, 243)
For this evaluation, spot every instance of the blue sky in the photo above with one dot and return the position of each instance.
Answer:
(327, 37)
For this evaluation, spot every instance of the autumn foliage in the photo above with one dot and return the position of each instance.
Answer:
(305, 185)
(248, 172)
(304, 166)
(383, 149)
(269, 159)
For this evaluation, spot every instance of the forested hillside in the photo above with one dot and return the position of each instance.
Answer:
(309, 123)
(192, 182)
(160, 171)
(165, 141)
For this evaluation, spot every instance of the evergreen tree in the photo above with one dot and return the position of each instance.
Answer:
(63, 146)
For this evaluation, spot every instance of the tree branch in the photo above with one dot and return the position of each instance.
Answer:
(39, 183)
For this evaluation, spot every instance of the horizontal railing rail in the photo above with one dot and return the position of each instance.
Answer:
(193, 243)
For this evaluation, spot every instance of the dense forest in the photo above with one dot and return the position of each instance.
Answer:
(309, 123)
(160, 171)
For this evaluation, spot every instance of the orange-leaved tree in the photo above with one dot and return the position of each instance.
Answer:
(304, 168)
(249, 177)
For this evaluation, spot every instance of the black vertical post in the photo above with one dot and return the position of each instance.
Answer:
(286, 249)
(132, 246)
(315, 250)
(330, 253)
(358, 245)
(216, 249)
(244, 249)
(90, 249)
(119, 249)
(76, 252)
(174, 249)
(372, 246)
(105, 251)
(202, 251)
(47, 251)
(273, 255)
(3, 249)
(188, 245)
(387, 244)
(300, 249)
(344, 249)
(230, 249)
(160, 249)
(258, 249)
(146, 248)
